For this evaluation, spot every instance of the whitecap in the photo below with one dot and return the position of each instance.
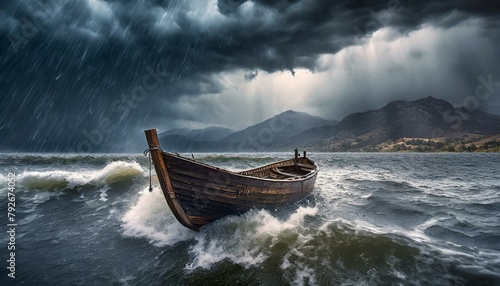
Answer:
(60, 179)
(151, 218)
(116, 171)
(247, 240)
(104, 195)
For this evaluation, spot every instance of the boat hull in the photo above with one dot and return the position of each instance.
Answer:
(198, 193)
(207, 193)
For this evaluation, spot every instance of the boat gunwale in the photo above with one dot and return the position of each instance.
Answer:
(298, 178)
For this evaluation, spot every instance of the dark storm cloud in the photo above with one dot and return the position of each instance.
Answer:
(67, 66)
(251, 75)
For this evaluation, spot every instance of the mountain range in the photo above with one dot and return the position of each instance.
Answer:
(429, 118)
(267, 135)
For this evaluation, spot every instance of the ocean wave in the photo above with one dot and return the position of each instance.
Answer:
(60, 179)
(58, 159)
(304, 248)
(3, 182)
(246, 240)
(150, 218)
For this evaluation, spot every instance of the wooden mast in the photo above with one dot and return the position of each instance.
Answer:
(164, 179)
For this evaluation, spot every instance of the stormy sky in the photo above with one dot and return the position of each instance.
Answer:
(90, 75)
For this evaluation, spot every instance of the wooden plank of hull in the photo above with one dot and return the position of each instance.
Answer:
(202, 195)
(227, 192)
(230, 189)
(198, 193)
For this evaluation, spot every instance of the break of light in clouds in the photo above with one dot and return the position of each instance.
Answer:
(387, 67)
(69, 67)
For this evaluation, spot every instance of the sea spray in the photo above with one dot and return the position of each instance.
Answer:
(150, 218)
(247, 240)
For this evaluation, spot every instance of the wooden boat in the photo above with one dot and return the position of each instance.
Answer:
(198, 193)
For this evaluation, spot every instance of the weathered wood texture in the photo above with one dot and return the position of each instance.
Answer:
(198, 193)
(164, 179)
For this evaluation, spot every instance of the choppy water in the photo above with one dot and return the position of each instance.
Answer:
(374, 219)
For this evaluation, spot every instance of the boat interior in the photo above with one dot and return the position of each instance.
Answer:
(292, 169)
(288, 170)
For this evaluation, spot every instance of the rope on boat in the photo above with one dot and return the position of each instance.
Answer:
(146, 153)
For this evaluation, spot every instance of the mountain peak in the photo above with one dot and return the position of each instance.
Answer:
(291, 112)
(277, 129)
(429, 102)
(430, 99)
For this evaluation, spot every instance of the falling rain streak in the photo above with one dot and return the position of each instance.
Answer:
(72, 71)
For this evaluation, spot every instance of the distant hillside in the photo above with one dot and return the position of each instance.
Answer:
(420, 118)
(180, 131)
(271, 134)
(193, 140)
(424, 118)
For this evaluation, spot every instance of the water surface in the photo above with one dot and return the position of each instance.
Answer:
(373, 219)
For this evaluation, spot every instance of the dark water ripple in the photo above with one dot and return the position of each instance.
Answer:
(374, 219)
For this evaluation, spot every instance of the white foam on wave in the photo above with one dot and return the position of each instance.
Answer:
(3, 184)
(302, 274)
(208, 252)
(115, 171)
(464, 257)
(59, 179)
(151, 218)
(30, 203)
(104, 194)
(246, 240)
